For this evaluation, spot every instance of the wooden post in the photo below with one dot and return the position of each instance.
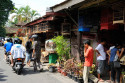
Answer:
(79, 39)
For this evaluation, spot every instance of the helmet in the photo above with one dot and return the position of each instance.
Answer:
(35, 37)
(9, 39)
(17, 41)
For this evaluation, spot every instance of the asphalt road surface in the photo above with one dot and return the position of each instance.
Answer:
(7, 75)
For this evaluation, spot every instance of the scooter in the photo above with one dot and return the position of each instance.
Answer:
(8, 58)
(18, 66)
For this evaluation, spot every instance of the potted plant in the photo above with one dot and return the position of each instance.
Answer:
(62, 48)
(52, 67)
(80, 76)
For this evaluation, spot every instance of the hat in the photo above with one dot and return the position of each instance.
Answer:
(34, 36)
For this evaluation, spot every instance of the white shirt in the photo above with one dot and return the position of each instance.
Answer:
(18, 51)
(100, 48)
(111, 47)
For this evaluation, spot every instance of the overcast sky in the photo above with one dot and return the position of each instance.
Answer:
(39, 5)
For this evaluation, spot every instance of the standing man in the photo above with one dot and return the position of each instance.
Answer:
(29, 51)
(101, 58)
(37, 53)
(88, 54)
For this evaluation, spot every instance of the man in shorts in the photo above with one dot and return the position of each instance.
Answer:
(29, 51)
(101, 59)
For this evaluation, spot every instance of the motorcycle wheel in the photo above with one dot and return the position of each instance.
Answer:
(19, 72)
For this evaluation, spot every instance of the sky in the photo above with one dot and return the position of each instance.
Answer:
(38, 5)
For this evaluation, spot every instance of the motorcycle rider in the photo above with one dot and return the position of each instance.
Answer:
(8, 46)
(17, 51)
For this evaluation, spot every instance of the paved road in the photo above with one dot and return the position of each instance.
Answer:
(7, 75)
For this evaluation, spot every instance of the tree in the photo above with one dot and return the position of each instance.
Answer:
(18, 17)
(5, 7)
(2, 32)
(34, 14)
(27, 13)
(23, 15)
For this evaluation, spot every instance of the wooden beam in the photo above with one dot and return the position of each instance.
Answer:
(90, 4)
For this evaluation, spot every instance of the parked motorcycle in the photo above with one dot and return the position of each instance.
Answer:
(18, 65)
(8, 58)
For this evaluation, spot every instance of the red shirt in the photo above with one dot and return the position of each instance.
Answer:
(89, 56)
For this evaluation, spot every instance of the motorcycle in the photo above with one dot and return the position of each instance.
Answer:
(8, 58)
(18, 66)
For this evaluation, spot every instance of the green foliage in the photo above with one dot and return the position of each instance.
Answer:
(2, 32)
(5, 7)
(62, 47)
(23, 15)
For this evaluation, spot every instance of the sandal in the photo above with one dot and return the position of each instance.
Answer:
(108, 80)
(101, 80)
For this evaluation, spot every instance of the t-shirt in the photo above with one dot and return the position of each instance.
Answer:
(18, 51)
(113, 54)
(8, 46)
(29, 47)
(100, 48)
(111, 47)
(89, 57)
(37, 48)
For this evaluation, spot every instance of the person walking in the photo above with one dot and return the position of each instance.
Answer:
(88, 54)
(101, 59)
(29, 51)
(36, 53)
(115, 72)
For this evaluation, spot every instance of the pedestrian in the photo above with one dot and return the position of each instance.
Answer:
(36, 53)
(101, 59)
(88, 54)
(29, 51)
(115, 72)
(112, 45)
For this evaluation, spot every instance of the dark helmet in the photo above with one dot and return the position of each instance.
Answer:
(17, 41)
(9, 40)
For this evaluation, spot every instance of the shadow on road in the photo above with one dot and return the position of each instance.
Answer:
(2, 77)
(28, 71)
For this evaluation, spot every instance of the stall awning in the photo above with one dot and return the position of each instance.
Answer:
(65, 4)
(90, 3)
(40, 20)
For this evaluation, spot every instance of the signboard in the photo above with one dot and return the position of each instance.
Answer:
(81, 27)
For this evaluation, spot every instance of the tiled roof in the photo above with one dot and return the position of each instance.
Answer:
(11, 30)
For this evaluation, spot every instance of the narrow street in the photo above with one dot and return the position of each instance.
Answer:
(7, 75)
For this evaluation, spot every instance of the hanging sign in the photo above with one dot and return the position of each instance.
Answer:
(81, 27)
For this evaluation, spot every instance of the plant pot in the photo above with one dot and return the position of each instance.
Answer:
(52, 69)
(69, 75)
(64, 73)
(59, 70)
(80, 80)
(75, 78)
